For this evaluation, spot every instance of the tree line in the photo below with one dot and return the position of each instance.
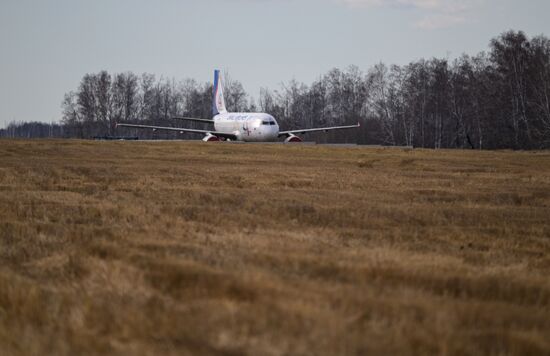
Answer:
(495, 99)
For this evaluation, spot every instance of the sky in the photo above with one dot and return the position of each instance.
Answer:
(46, 46)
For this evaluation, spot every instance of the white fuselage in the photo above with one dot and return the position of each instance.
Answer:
(249, 127)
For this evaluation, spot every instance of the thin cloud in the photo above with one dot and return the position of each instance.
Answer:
(423, 4)
(436, 13)
(438, 21)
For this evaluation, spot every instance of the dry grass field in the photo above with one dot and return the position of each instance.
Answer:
(176, 248)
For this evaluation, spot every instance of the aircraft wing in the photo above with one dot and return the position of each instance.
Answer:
(294, 132)
(193, 119)
(182, 130)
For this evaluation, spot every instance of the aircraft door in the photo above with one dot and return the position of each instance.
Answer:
(246, 129)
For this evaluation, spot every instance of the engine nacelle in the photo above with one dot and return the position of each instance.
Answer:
(292, 138)
(211, 138)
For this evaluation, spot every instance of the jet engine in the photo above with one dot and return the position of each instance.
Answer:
(210, 138)
(292, 138)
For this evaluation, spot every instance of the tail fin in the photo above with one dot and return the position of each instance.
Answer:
(218, 102)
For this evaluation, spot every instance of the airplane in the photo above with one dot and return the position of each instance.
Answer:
(247, 127)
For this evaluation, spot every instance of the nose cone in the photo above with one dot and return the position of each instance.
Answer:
(274, 132)
(272, 129)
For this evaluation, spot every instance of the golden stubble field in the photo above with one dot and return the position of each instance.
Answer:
(169, 248)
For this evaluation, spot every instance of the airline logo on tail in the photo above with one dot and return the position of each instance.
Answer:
(218, 105)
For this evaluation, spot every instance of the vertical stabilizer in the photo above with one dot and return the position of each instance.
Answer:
(218, 102)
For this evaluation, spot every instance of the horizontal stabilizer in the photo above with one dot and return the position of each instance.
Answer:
(296, 132)
(193, 119)
(181, 130)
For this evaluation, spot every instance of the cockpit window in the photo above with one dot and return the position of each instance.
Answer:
(265, 123)
(272, 122)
